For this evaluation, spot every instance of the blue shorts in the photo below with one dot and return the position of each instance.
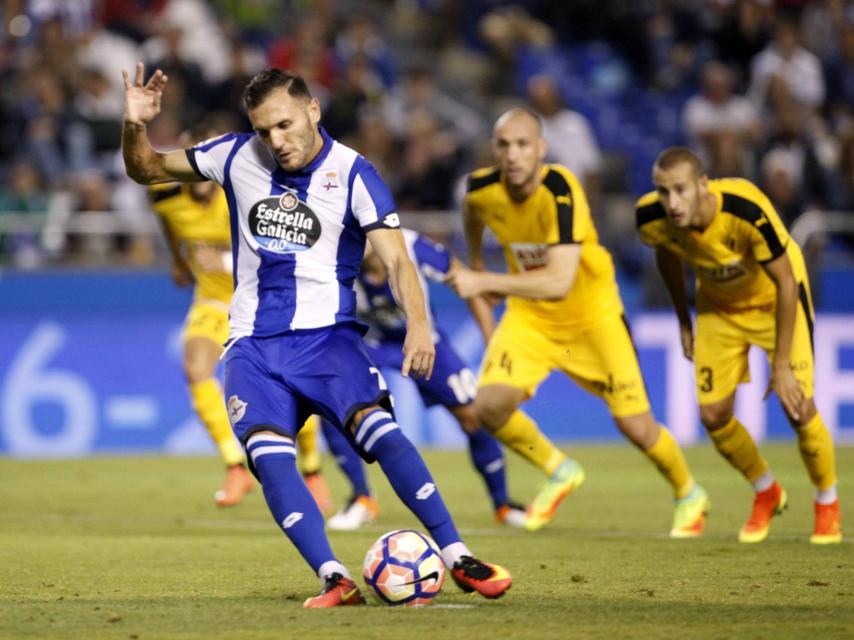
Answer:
(452, 384)
(276, 383)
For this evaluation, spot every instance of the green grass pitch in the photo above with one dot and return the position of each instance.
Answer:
(133, 548)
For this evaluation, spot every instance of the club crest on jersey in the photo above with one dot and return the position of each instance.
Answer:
(284, 224)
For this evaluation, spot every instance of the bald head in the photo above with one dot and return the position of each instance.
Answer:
(519, 148)
(519, 115)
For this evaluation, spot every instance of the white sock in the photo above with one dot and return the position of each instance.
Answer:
(330, 567)
(826, 496)
(763, 482)
(453, 552)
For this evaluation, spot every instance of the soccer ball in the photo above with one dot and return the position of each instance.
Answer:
(404, 567)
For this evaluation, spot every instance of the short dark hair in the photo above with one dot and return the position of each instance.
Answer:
(673, 156)
(263, 83)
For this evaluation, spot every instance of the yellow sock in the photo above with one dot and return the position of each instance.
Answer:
(734, 443)
(817, 452)
(522, 434)
(667, 456)
(308, 458)
(209, 406)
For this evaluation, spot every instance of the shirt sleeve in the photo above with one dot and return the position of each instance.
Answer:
(370, 198)
(572, 210)
(649, 219)
(208, 158)
(765, 232)
(432, 259)
(768, 237)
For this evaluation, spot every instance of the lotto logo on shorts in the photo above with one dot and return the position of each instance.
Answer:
(426, 491)
(236, 409)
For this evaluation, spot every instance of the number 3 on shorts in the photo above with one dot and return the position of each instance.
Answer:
(707, 383)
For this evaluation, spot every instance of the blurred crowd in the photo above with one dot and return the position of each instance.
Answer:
(761, 88)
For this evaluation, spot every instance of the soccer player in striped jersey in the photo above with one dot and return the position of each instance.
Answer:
(301, 207)
(752, 289)
(452, 384)
(563, 312)
(194, 217)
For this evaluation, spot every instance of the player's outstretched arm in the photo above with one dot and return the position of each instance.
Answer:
(550, 282)
(418, 349)
(142, 163)
(673, 274)
(783, 380)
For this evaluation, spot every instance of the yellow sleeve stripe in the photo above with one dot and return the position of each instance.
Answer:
(562, 192)
(751, 212)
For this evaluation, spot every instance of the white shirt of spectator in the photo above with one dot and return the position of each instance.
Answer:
(702, 116)
(802, 74)
(572, 143)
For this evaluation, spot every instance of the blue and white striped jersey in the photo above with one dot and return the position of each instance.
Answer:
(376, 304)
(297, 237)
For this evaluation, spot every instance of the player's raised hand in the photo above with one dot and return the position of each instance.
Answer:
(784, 383)
(686, 336)
(418, 351)
(142, 101)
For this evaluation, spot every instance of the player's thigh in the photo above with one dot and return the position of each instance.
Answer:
(720, 357)
(201, 356)
(452, 384)
(602, 359)
(339, 379)
(518, 355)
(802, 358)
(255, 399)
(385, 355)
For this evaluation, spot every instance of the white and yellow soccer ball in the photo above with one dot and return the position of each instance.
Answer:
(404, 567)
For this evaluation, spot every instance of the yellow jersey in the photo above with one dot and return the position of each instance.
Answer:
(727, 257)
(196, 224)
(556, 213)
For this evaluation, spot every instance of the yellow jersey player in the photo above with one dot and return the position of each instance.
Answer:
(563, 312)
(195, 220)
(752, 289)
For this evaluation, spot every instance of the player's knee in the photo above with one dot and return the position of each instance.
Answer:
(715, 416)
(358, 417)
(196, 370)
(641, 430)
(807, 413)
(376, 433)
(494, 409)
(467, 417)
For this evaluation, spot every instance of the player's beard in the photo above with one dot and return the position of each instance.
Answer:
(303, 152)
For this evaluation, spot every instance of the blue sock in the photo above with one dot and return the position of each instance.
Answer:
(290, 502)
(402, 464)
(347, 458)
(488, 459)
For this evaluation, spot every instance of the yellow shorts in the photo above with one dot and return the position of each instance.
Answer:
(722, 342)
(207, 320)
(600, 358)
